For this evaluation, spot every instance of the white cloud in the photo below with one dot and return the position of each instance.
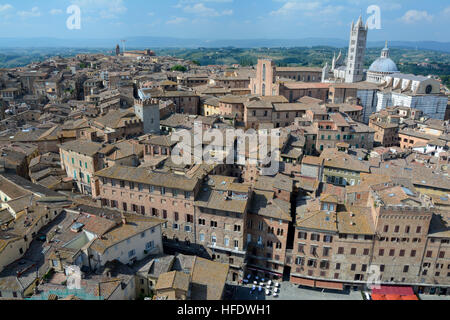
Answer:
(5, 7)
(151, 14)
(35, 12)
(413, 16)
(201, 10)
(291, 7)
(177, 20)
(446, 11)
(55, 12)
(204, 1)
(386, 5)
(106, 9)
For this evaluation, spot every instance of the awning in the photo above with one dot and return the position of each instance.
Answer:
(377, 297)
(303, 282)
(330, 285)
(402, 291)
(410, 298)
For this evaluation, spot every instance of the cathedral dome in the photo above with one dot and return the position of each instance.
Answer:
(385, 65)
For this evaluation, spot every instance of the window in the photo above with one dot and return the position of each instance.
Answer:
(429, 254)
(202, 222)
(176, 216)
(386, 228)
(405, 269)
(236, 244)
(381, 252)
(366, 252)
(202, 237)
(397, 229)
(299, 261)
(301, 248)
(413, 253)
(353, 267)
(227, 242)
(312, 263)
(341, 250)
(353, 251)
(315, 237)
(302, 235)
(402, 253)
(441, 255)
(214, 224)
(419, 229)
(392, 252)
(149, 245)
(237, 228)
(131, 253)
(189, 218)
(324, 264)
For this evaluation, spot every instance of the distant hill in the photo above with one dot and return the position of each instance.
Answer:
(165, 42)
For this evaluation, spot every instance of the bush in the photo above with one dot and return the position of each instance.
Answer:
(179, 68)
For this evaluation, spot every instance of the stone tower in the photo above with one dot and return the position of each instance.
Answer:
(148, 111)
(117, 50)
(356, 52)
(264, 81)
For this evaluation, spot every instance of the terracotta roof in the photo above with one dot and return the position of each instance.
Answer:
(173, 280)
(210, 275)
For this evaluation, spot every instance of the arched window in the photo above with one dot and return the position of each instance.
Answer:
(264, 72)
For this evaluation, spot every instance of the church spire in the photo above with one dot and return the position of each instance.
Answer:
(360, 22)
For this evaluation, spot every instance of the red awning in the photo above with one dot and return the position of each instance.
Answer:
(378, 297)
(402, 291)
(410, 298)
(393, 297)
(330, 285)
(303, 282)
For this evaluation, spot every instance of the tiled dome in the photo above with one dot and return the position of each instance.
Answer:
(385, 65)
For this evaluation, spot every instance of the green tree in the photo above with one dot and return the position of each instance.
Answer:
(179, 68)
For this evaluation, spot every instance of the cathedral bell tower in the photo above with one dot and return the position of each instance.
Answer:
(356, 52)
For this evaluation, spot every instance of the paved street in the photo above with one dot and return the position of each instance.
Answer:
(434, 297)
(290, 291)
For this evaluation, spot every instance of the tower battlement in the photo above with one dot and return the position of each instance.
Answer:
(146, 102)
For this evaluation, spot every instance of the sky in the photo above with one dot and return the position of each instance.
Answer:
(408, 20)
